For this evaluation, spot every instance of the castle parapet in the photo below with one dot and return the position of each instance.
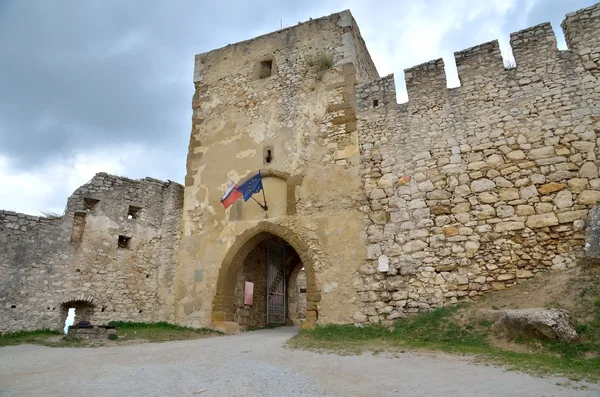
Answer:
(426, 82)
(484, 60)
(534, 47)
(582, 34)
(374, 94)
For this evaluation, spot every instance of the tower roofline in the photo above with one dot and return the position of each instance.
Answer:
(344, 15)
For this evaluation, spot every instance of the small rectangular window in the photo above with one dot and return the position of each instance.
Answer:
(124, 242)
(302, 290)
(133, 212)
(375, 103)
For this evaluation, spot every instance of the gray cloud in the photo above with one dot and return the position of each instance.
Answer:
(89, 74)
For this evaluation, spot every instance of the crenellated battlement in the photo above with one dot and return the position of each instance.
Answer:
(427, 80)
(534, 47)
(535, 50)
(484, 60)
(582, 36)
(377, 93)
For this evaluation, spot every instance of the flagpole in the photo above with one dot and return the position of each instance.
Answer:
(266, 207)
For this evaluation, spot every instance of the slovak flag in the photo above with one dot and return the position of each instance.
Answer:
(232, 194)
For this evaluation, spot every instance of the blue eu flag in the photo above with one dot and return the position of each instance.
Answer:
(251, 186)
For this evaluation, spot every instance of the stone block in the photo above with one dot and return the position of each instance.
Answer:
(541, 153)
(450, 231)
(377, 194)
(577, 184)
(588, 170)
(461, 208)
(570, 216)
(380, 217)
(551, 188)
(542, 220)
(416, 204)
(441, 210)
(589, 197)
(505, 277)
(482, 185)
(486, 212)
(488, 198)
(508, 226)
(505, 211)
(525, 210)
(563, 199)
(509, 194)
(528, 192)
(515, 155)
(387, 181)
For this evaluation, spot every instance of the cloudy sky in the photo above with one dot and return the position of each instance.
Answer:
(106, 85)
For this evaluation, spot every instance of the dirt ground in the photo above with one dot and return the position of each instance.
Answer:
(573, 289)
(257, 364)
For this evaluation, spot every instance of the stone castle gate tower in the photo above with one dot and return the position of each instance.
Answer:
(284, 104)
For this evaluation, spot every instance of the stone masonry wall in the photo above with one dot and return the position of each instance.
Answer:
(46, 263)
(475, 188)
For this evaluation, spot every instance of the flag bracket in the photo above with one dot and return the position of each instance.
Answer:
(263, 206)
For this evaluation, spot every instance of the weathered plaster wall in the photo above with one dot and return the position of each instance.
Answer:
(310, 123)
(474, 188)
(44, 263)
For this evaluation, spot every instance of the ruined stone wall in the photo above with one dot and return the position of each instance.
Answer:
(306, 115)
(474, 188)
(45, 263)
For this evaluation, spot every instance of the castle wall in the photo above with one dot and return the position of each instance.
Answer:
(306, 114)
(475, 188)
(47, 262)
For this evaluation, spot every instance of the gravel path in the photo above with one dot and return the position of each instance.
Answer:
(254, 364)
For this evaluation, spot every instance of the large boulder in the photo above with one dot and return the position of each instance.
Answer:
(537, 323)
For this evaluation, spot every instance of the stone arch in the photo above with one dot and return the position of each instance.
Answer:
(293, 297)
(84, 309)
(223, 304)
(291, 181)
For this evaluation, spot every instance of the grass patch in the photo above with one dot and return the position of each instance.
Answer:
(439, 330)
(158, 332)
(45, 337)
(126, 331)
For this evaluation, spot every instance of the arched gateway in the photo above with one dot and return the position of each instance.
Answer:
(267, 254)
